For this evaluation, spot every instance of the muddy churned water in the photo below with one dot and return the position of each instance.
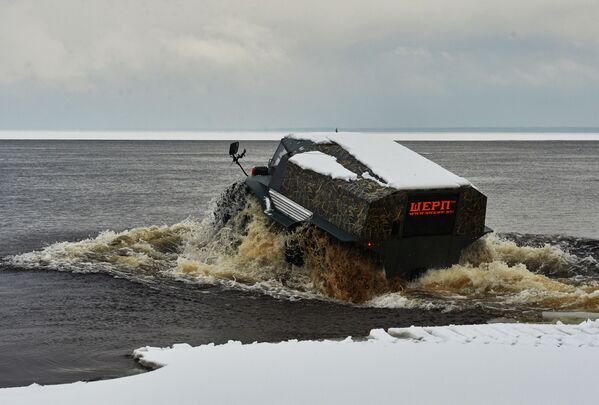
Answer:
(107, 246)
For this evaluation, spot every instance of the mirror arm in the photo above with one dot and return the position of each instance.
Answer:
(236, 160)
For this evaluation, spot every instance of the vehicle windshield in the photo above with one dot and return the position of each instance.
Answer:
(276, 158)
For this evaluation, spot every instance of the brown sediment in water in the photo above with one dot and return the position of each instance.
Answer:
(578, 301)
(545, 259)
(161, 239)
(496, 269)
(264, 243)
(344, 271)
(495, 278)
(250, 249)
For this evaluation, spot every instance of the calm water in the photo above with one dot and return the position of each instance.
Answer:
(64, 326)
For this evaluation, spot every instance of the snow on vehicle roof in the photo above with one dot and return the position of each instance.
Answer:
(397, 165)
(324, 164)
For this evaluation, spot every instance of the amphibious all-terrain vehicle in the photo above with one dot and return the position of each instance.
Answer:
(373, 192)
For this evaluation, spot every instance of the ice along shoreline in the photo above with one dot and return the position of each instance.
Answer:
(447, 364)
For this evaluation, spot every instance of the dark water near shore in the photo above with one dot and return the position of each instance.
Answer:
(64, 326)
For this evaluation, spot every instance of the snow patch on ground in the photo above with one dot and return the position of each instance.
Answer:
(490, 364)
(324, 164)
(397, 165)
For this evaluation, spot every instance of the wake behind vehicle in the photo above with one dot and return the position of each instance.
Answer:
(370, 191)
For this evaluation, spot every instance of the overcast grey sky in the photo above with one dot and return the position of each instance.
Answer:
(237, 64)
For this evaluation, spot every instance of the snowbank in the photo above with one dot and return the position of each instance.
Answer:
(480, 364)
(397, 165)
(324, 164)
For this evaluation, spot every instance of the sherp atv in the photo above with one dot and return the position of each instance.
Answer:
(373, 193)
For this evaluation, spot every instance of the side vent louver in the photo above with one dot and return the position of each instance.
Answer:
(288, 207)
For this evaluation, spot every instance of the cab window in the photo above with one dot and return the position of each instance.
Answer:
(276, 158)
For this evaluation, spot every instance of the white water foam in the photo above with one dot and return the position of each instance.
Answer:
(247, 251)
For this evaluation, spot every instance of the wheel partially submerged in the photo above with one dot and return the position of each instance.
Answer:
(407, 212)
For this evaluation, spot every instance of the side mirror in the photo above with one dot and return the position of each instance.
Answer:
(233, 148)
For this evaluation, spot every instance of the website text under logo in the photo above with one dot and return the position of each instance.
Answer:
(436, 207)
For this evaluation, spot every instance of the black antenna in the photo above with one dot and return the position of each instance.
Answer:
(233, 148)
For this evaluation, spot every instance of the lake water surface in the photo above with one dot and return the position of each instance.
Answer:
(75, 312)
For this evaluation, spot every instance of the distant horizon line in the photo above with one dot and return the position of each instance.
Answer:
(273, 135)
(485, 129)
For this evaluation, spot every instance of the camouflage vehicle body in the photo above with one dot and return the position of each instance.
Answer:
(412, 230)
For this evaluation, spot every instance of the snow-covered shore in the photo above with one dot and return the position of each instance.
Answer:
(478, 364)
